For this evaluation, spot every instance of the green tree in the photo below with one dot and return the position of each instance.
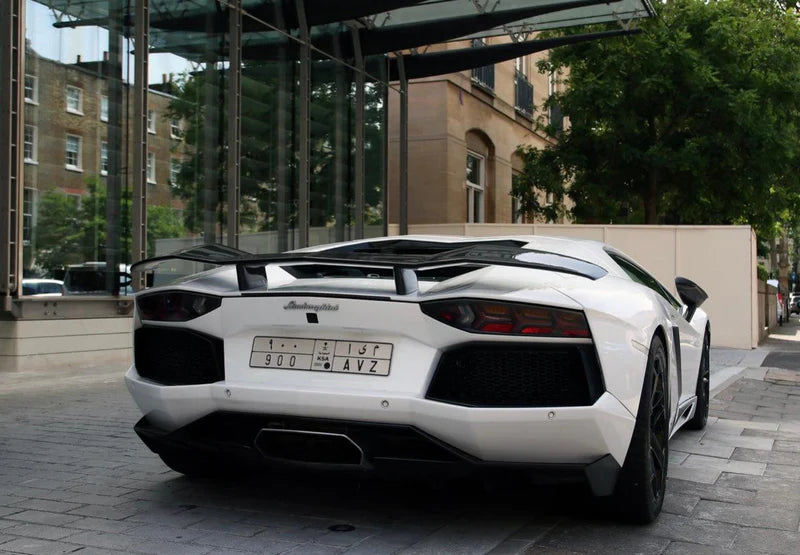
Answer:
(69, 232)
(269, 163)
(692, 121)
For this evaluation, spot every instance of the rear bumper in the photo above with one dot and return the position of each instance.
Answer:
(541, 435)
(390, 449)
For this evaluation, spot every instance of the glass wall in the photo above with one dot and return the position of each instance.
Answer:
(333, 141)
(310, 133)
(187, 101)
(270, 112)
(375, 146)
(77, 226)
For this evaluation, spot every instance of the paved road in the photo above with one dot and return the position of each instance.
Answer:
(75, 479)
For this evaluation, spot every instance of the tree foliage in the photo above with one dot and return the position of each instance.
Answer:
(72, 232)
(269, 163)
(692, 121)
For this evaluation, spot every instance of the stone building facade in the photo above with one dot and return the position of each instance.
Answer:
(464, 131)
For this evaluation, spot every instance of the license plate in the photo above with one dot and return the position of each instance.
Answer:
(322, 355)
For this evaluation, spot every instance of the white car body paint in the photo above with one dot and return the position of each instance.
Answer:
(623, 317)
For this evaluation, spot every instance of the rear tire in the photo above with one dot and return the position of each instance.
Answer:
(640, 489)
(698, 421)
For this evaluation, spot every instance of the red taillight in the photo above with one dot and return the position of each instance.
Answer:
(175, 306)
(508, 318)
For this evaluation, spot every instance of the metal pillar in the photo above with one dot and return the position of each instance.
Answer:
(234, 119)
(341, 151)
(401, 70)
(113, 207)
(140, 69)
(359, 161)
(12, 85)
(304, 181)
(282, 146)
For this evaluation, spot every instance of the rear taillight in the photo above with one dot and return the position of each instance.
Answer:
(508, 318)
(175, 306)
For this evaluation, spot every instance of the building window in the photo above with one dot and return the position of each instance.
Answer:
(175, 129)
(74, 148)
(74, 100)
(104, 108)
(523, 94)
(31, 89)
(516, 217)
(483, 76)
(104, 158)
(151, 167)
(475, 187)
(151, 122)
(28, 210)
(30, 144)
(555, 114)
(174, 171)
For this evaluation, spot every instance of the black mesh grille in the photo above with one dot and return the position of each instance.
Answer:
(178, 357)
(518, 376)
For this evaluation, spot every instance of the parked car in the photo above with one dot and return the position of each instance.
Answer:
(794, 303)
(89, 278)
(530, 355)
(40, 287)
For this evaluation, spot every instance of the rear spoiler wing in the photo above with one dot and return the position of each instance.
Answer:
(251, 268)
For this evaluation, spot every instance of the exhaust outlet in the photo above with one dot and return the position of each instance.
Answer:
(306, 447)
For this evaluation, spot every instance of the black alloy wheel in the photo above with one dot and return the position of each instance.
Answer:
(642, 482)
(659, 427)
(698, 421)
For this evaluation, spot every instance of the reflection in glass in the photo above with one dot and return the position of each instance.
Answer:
(332, 152)
(269, 150)
(78, 133)
(77, 183)
(186, 123)
(375, 156)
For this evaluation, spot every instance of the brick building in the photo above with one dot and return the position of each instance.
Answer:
(66, 137)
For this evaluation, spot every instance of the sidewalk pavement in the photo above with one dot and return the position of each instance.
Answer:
(781, 349)
(74, 478)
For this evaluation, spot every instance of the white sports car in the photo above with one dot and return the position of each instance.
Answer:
(549, 356)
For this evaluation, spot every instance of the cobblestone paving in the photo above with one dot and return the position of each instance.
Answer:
(75, 479)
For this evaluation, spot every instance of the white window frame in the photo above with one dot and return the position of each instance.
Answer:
(175, 131)
(520, 65)
(79, 110)
(174, 170)
(151, 168)
(103, 108)
(516, 217)
(476, 191)
(34, 142)
(34, 97)
(151, 122)
(78, 200)
(104, 157)
(74, 167)
(29, 202)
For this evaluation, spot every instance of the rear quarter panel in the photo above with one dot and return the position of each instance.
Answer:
(623, 317)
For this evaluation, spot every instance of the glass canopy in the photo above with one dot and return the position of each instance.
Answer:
(386, 25)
